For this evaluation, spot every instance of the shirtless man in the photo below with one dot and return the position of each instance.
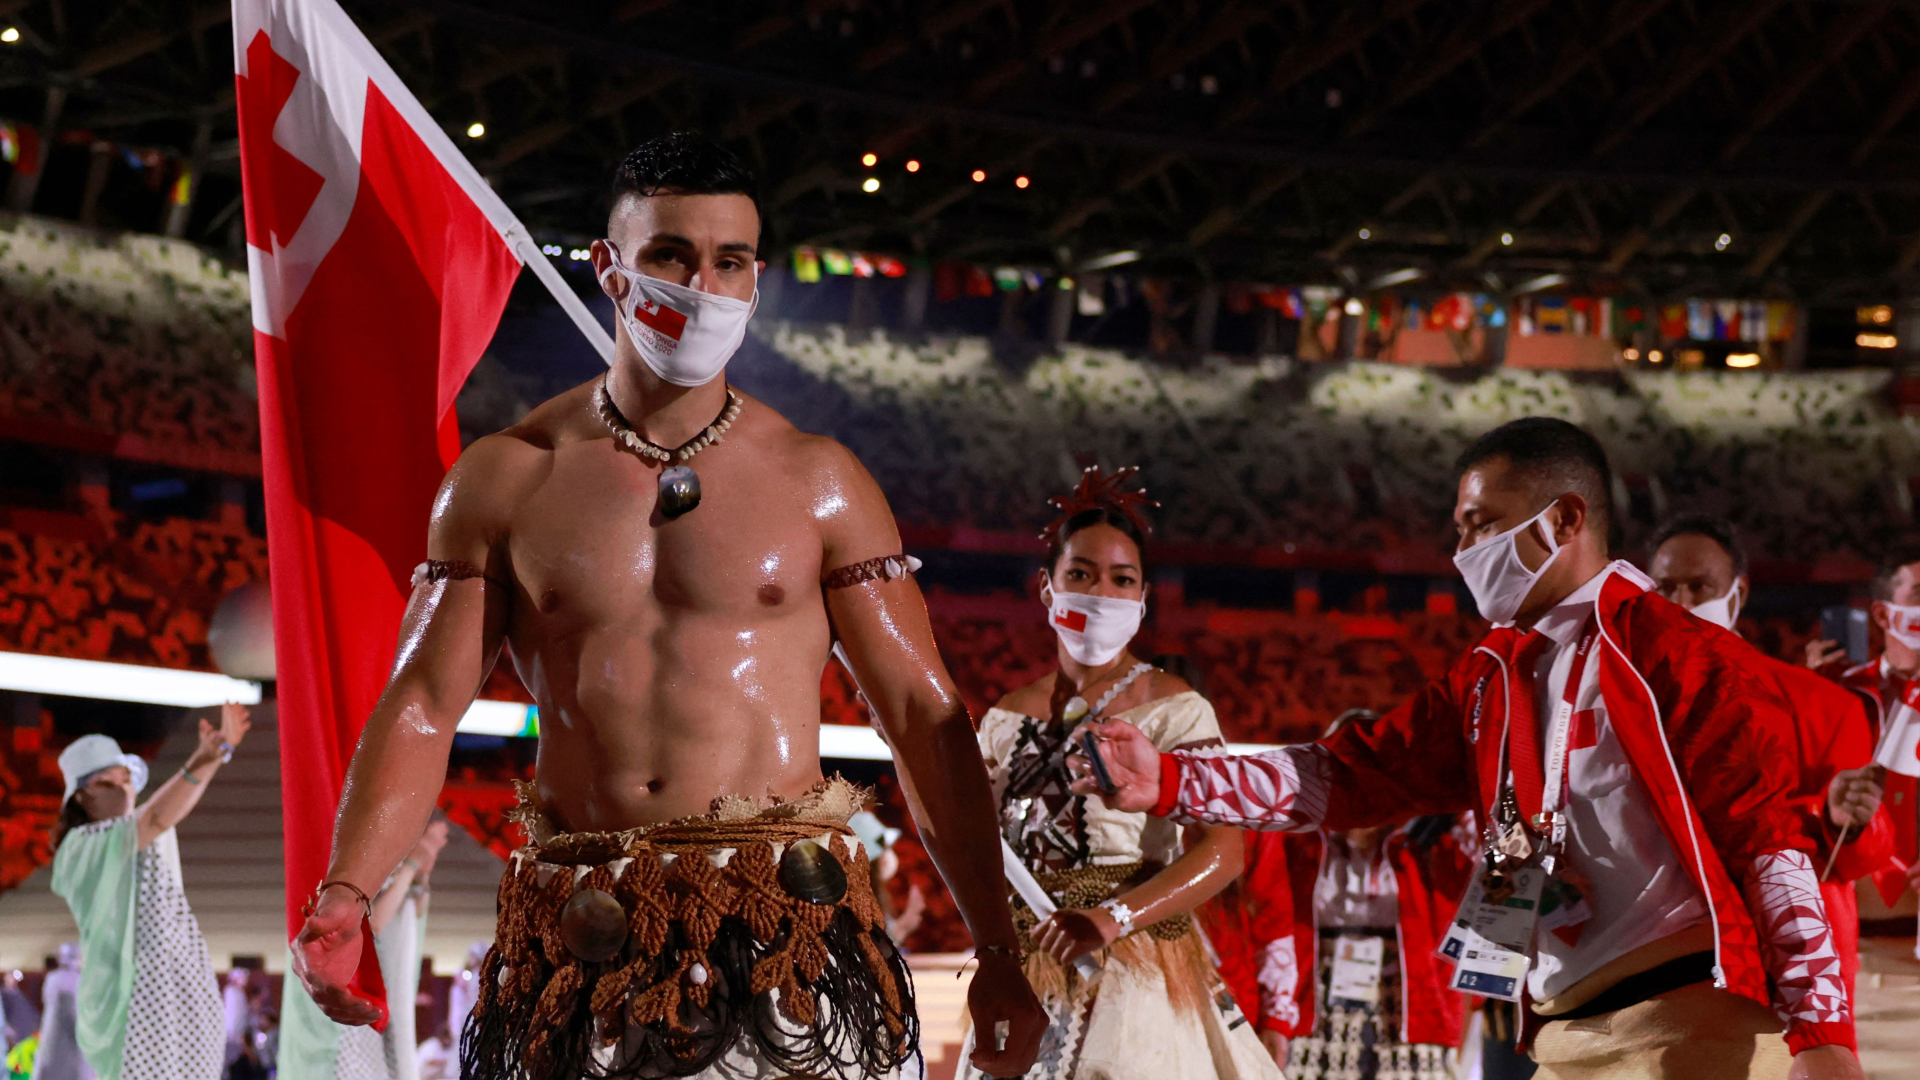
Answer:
(675, 653)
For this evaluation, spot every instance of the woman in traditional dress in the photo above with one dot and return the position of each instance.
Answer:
(148, 1005)
(1123, 883)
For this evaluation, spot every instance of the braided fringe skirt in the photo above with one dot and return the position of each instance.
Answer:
(725, 967)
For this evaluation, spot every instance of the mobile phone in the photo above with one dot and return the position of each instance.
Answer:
(1846, 626)
(1102, 779)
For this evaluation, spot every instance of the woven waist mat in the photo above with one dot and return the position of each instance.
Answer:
(1085, 887)
(655, 952)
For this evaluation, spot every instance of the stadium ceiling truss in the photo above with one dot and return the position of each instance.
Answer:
(1668, 147)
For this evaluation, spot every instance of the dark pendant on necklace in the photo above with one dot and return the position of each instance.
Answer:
(679, 491)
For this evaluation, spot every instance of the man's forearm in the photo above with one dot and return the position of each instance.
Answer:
(392, 786)
(946, 788)
(1282, 790)
(1796, 943)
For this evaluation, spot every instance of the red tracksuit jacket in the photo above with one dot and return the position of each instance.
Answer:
(1708, 736)
(1900, 805)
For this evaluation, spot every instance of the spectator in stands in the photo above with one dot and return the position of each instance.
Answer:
(1686, 910)
(149, 1004)
(1126, 885)
(311, 1044)
(21, 1018)
(1699, 564)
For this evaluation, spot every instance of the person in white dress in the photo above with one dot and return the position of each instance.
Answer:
(148, 1006)
(1123, 883)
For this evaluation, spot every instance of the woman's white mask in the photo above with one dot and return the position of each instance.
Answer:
(1722, 610)
(686, 336)
(1496, 577)
(1094, 629)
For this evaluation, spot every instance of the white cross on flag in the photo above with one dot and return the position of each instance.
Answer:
(1899, 747)
(380, 263)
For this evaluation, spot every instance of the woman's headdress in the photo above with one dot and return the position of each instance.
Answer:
(1097, 491)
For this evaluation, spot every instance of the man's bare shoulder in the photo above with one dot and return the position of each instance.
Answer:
(844, 497)
(497, 470)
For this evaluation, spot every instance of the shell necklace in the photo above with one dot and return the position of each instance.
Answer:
(679, 484)
(1077, 706)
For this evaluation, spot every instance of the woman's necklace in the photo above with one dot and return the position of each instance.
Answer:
(679, 484)
(1077, 708)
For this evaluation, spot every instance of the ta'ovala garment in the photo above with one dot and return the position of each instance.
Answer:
(148, 1007)
(1138, 1021)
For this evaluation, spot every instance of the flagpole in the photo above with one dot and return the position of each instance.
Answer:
(570, 302)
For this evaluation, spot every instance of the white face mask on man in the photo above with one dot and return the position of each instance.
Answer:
(1721, 611)
(685, 336)
(1903, 624)
(1093, 629)
(1496, 577)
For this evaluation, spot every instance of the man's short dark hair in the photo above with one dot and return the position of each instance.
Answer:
(1906, 553)
(1550, 453)
(1717, 529)
(681, 164)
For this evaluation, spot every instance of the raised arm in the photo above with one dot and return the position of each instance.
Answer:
(882, 623)
(449, 638)
(175, 799)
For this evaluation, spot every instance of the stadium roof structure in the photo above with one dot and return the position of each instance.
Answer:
(1702, 147)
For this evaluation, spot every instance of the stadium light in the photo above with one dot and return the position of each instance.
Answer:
(29, 673)
(476, 130)
(1506, 239)
(913, 165)
(11, 35)
(871, 185)
(1544, 281)
(1110, 260)
(1722, 242)
(1397, 277)
(1876, 341)
(1021, 182)
(869, 159)
(1743, 360)
(1366, 234)
(979, 176)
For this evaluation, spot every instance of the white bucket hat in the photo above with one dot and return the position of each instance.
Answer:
(89, 754)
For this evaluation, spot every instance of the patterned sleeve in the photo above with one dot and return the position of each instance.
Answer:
(1414, 760)
(1796, 942)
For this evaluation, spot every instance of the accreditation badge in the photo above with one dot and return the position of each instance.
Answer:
(1491, 939)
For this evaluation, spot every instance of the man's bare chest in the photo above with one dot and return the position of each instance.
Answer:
(591, 543)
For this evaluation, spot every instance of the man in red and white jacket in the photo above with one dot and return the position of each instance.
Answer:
(1878, 683)
(1698, 563)
(1705, 932)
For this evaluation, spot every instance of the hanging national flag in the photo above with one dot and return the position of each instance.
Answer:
(806, 265)
(380, 263)
(836, 262)
(1780, 324)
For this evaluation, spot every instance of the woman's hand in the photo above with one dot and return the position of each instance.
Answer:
(426, 850)
(1070, 933)
(214, 741)
(1276, 1045)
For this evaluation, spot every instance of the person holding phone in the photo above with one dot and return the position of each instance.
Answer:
(1879, 681)
(1125, 884)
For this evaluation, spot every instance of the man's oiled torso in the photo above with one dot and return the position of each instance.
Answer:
(673, 661)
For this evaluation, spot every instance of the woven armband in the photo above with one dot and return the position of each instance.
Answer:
(879, 568)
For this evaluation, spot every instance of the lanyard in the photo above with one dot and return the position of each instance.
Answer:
(1555, 786)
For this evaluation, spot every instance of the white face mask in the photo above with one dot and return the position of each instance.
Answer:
(1094, 629)
(1720, 611)
(1496, 577)
(686, 336)
(1903, 624)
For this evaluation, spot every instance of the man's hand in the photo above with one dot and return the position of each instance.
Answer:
(1071, 933)
(1825, 1063)
(1853, 796)
(1133, 762)
(1823, 652)
(1276, 1045)
(1000, 995)
(326, 953)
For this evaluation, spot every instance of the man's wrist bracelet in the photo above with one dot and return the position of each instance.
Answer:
(1004, 951)
(313, 905)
